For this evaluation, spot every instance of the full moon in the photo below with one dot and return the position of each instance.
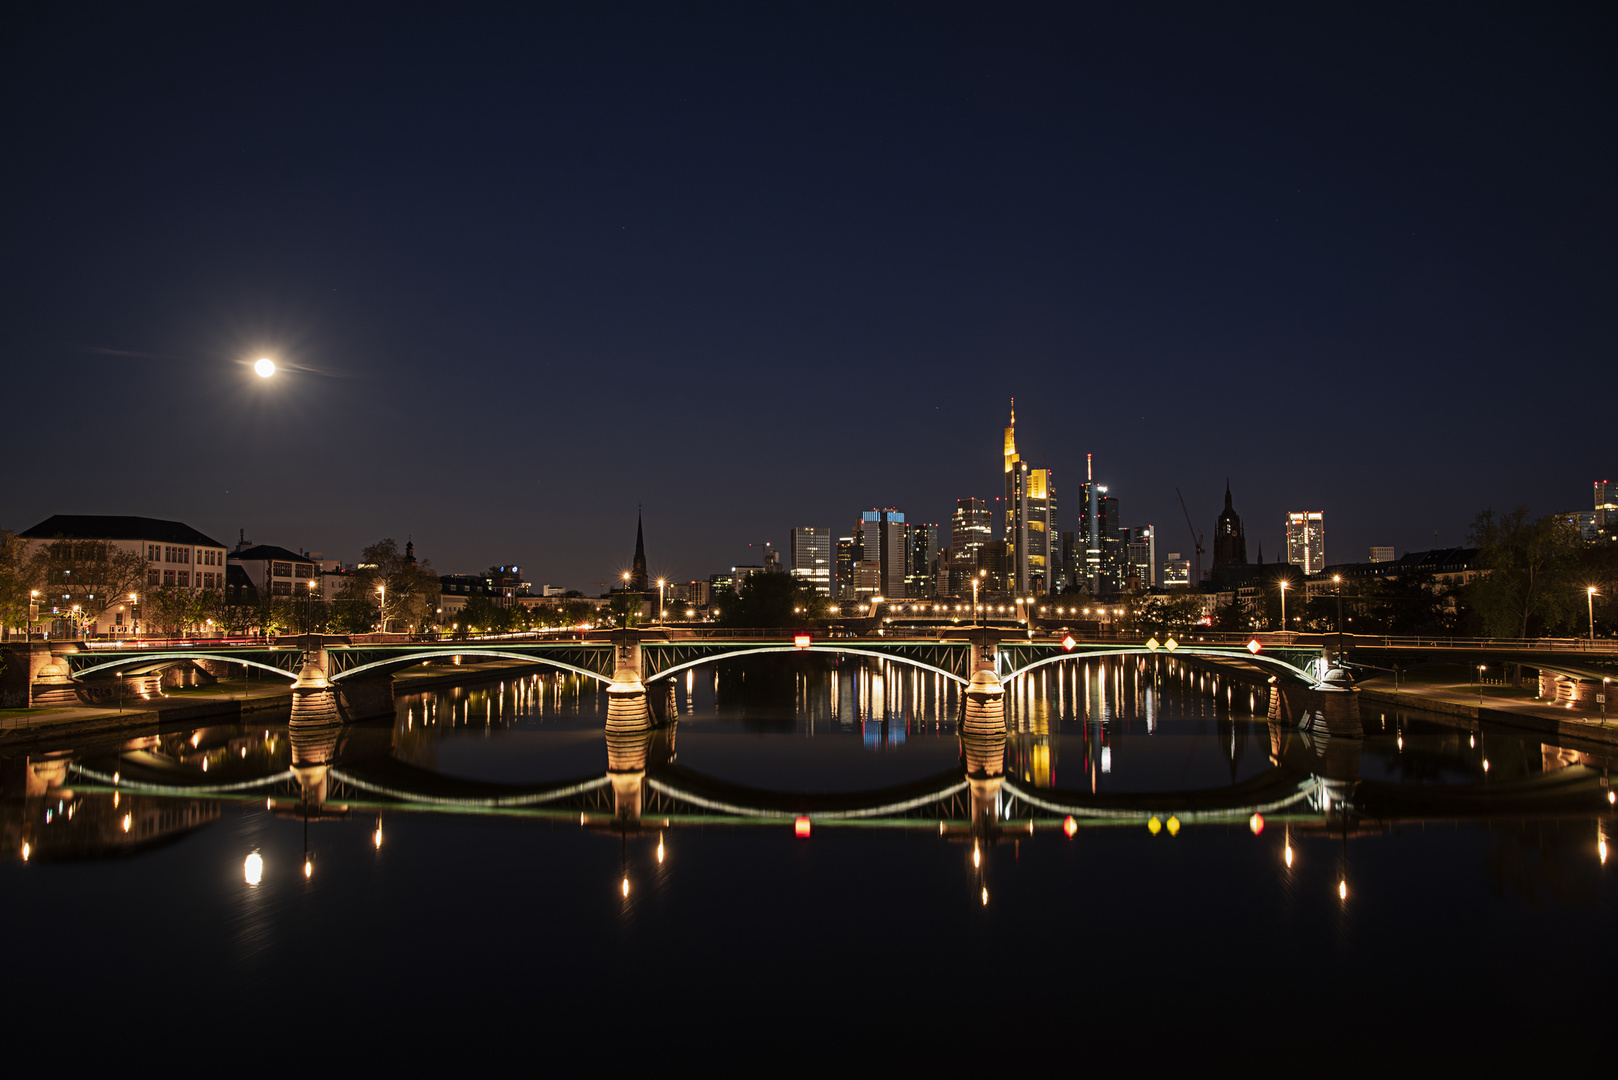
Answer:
(265, 367)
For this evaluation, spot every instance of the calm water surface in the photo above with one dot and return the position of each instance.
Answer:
(1423, 931)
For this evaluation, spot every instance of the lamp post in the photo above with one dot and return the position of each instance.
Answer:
(1337, 579)
(1590, 599)
(1481, 667)
(382, 606)
(134, 614)
(1283, 603)
(660, 611)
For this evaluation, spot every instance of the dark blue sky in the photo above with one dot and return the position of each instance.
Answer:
(764, 265)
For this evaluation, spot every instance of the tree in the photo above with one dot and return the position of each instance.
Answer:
(767, 599)
(389, 590)
(1528, 566)
(17, 580)
(93, 574)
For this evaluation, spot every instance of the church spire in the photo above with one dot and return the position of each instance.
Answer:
(637, 573)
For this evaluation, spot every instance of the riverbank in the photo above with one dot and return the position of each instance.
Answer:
(1499, 706)
(223, 702)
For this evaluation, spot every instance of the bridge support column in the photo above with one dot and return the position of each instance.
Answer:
(1320, 710)
(314, 726)
(983, 734)
(627, 708)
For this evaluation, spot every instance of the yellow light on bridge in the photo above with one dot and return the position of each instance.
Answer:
(1174, 826)
(1154, 826)
(1171, 644)
(1153, 644)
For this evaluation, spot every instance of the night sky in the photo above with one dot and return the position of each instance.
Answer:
(755, 266)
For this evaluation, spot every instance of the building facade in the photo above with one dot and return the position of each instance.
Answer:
(89, 550)
(811, 557)
(1306, 540)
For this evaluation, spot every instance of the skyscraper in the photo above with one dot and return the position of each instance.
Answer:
(1306, 540)
(1039, 512)
(1142, 555)
(971, 529)
(882, 541)
(922, 544)
(847, 556)
(1016, 535)
(1090, 531)
(811, 557)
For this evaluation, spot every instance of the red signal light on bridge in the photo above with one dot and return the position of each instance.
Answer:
(1070, 826)
(800, 827)
(1068, 643)
(1256, 823)
(801, 641)
(1253, 646)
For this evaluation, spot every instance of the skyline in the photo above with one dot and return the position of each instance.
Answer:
(808, 256)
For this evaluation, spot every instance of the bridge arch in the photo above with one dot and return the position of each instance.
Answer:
(161, 658)
(1272, 661)
(897, 658)
(437, 654)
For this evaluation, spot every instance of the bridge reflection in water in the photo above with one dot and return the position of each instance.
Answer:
(316, 768)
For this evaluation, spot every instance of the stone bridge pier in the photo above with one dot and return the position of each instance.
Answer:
(983, 732)
(314, 725)
(627, 708)
(1320, 710)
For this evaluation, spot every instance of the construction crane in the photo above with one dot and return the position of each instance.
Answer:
(1196, 541)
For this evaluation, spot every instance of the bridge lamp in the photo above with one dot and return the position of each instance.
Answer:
(1590, 600)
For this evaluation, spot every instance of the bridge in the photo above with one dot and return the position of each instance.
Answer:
(1295, 670)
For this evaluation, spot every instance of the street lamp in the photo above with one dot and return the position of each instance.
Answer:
(382, 606)
(660, 612)
(1590, 599)
(1283, 603)
(134, 614)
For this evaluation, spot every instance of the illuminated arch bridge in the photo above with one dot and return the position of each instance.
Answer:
(660, 659)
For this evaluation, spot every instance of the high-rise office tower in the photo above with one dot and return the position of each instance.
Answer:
(1072, 560)
(1606, 508)
(1114, 542)
(882, 541)
(1306, 540)
(1016, 535)
(1039, 511)
(971, 529)
(1176, 571)
(811, 557)
(847, 556)
(1142, 555)
(922, 545)
(1090, 529)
